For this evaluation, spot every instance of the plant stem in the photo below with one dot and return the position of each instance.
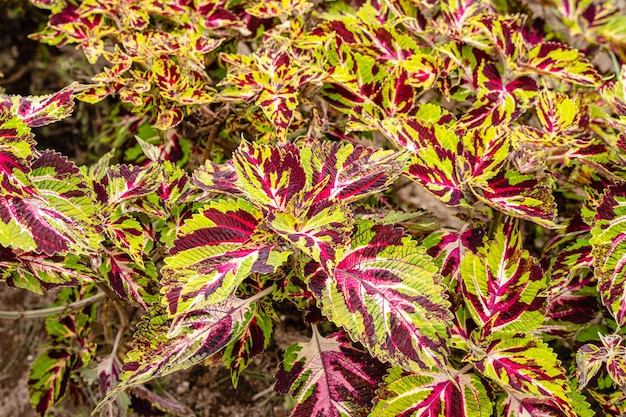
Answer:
(465, 369)
(44, 312)
(493, 226)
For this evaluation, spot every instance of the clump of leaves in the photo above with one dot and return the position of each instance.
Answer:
(518, 127)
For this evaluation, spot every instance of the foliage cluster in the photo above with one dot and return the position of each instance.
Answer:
(309, 117)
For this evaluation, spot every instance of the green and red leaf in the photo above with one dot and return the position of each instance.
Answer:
(214, 252)
(269, 176)
(385, 292)
(40, 272)
(525, 367)
(36, 111)
(59, 217)
(329, 377)
(351, 172)
(161, 346)
(609, 251)
(432, 394)
(561, 61)
(254, 340)
(50, 377)
(502, 282)
(135, 283)
(498, 102)
(17, 149)
(612, 354)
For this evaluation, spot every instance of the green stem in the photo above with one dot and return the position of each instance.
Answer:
(45, 312)
(493, 226)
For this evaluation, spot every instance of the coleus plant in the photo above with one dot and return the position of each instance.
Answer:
(515, 128)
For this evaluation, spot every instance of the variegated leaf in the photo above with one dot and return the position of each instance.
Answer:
(385, 292)
(177, 85)
(329, 377)
(59, 218)
(609, 251)
(560, 61)
(432, 394)
(40, 272)
(269, 176)
(354, 79)
(435, 164)
(571, 287)
(612, 404)
(460, 171)
(351, 172)
(448, 248)
(125, 183)
(70, 350)
(49, 378)
(132, 282)
(612, 354)
(615, 93)
(396, 96)
(525, 367)
(36, 111)
(128, 235)
(272, 78)
(161, 346)
(214, 252)
(501, 283)
(506, 33)
(498, 102)
(560, 115)
(17, 149)
(526, 196)
(572, 304)
(318, 228)
(521, 406)
(253, 341)
(216, 179)
(171, 196)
